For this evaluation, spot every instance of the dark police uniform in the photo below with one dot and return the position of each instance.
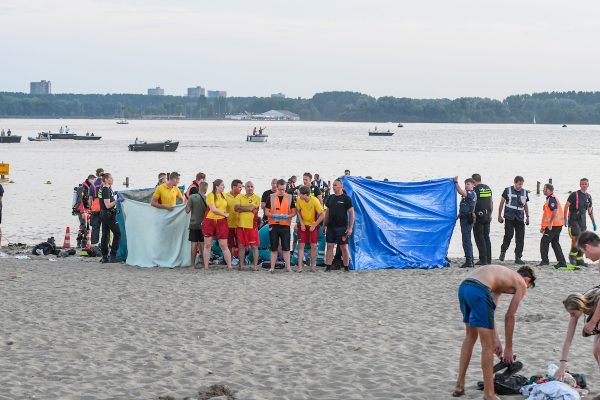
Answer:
(465, 214)
(108, 217)
(481, 228)
(514, 219)
(579, 203)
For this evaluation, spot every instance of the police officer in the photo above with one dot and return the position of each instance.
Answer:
(577, 206)
(465, 215)
(483, 217)
(108, 217)
(516, 216)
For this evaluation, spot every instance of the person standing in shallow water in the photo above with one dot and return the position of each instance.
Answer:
(478, 296)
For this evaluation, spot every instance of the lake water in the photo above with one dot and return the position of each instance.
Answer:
(34, 210)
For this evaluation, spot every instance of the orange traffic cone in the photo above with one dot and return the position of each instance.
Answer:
(67, 244)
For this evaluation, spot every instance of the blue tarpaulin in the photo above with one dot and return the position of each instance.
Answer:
(401, 224)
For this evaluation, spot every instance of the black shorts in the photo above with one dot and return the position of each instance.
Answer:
(336, 235)
(577, 226)
(196, 235)
(277, 232)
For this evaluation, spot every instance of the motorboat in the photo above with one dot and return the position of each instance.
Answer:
(257, 138)
(10, 139)
(375, 132)
(87, 137)
(41, 137)
(122, 121)
(400, 125)
(145, 146)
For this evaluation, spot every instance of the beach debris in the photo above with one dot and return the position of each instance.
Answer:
(3, 255)
(22, 257)
(10, 343)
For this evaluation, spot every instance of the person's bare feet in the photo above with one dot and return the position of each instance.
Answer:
(458, 391)
(313, 269)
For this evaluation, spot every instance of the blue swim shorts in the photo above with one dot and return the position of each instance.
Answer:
(477, 304)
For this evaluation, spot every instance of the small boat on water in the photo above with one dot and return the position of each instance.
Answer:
(122, 121)
(400, 125)
(86, 137)
(376, 132)
(145, 146)
(564, 125)
(10, 139)
(41, 137)
(257, 138)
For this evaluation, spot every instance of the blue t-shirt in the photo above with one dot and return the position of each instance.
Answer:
(467, 204)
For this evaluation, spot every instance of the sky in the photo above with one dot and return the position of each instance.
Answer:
(418, 48)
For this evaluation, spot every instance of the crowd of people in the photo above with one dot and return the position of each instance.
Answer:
(475, 216)
(231, 218)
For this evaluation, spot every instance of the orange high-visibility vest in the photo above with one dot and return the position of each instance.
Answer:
(281, 207)
(559, 220)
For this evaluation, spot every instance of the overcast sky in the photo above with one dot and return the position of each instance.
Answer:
(416, 48)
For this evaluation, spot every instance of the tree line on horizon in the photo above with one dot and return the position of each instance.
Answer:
(547, 107)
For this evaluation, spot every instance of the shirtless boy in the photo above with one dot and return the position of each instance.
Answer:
(478, 295)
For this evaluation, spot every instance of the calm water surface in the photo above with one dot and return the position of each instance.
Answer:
(34, 210)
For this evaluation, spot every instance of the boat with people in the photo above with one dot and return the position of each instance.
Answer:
(257, 136)
(41, 137)
(87, 136)
(10, 139)
(161, 146)
(376, 132)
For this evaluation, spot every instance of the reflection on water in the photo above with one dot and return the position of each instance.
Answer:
(34, 210)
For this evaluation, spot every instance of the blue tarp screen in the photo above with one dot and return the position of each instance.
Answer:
(401, 225)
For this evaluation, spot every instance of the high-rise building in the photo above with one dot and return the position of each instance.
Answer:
(216, 93)
(197, 91)
(157, 91)
(281, 95)
(42, 87)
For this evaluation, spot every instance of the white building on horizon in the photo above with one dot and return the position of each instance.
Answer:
(41, 87)
(213, 94)
(157, 91)
(197, 91)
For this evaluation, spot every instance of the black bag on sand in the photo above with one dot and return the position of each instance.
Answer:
(45, 248)
(507, 382)
(580, 379)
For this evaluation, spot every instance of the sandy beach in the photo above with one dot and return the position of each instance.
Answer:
(77, 329)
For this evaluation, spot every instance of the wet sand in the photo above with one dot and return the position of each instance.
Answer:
(77, 329)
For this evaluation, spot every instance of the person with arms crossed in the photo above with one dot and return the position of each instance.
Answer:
(338, 223)
(478, 296)
(165, 195)
(247, 206)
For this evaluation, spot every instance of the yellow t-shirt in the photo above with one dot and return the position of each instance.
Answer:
(167, 196)
(221, 205)
(308, 210)
(246, 219)
(232, 220)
